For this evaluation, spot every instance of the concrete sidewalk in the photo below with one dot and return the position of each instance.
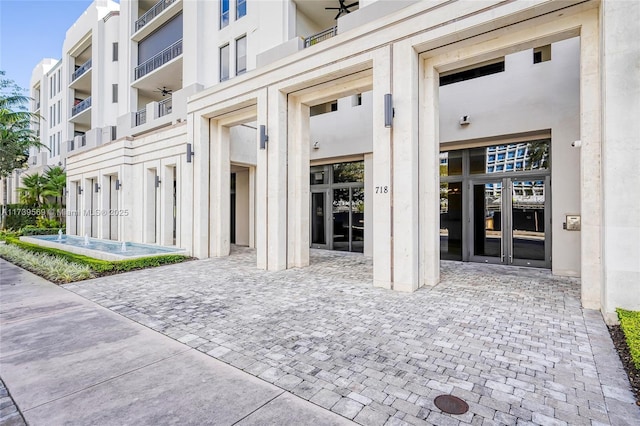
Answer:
(66, 360)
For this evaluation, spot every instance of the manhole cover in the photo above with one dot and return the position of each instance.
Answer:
(451, 404)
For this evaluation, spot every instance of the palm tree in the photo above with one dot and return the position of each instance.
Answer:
(56, 182)
(16, 135)
(33, 191)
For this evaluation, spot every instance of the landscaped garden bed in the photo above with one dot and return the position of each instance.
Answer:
(626, 339)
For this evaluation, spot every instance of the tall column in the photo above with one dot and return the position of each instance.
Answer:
(261, 175)
(406, 253)
(381, 199)
(277, 180)
(429, 175)
(621, 155)
(298, 188)
(590, 177)
(220, 189)
(198, 133)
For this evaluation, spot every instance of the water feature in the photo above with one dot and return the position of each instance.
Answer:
(59, 234)
(112, 250)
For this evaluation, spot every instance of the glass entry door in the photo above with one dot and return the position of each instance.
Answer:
(509, 221)
(319, 219)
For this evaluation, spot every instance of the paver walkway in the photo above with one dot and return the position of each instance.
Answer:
(514, 343)
(67, 361)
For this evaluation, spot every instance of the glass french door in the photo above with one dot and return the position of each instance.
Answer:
(509, 221)
(337, 219)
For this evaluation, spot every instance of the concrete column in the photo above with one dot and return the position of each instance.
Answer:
(261, 175)
(127, 191)
(166, 204)
(590, 167)
(429, 175)
(220, 190)
(252, 207)
(103, 205)
(621, 155)
(243, 208)
(298, 188)
(277, 180)
(198, 133)
(368, 211)
(381, 200)
(404, 190)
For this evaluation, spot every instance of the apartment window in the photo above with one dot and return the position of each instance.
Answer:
(59, 79)
(58, 144)
(356, 100)
(50, 89)
(224, 13)
(475, 71)
(542, 54)
(51, 116)
(114, 93)
(241, 55)
(224, 62)
(114, 52)
(241, 8)
(59, 112)
(50, 146)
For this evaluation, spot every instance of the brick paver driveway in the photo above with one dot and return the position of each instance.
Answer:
(513, 343)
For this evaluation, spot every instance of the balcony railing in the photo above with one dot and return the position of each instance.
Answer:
(321, 36)
(83, 68)
(83, 140)
(159, 60)
(152, 13)
(81, 106)
(165, 107)
(141, 117)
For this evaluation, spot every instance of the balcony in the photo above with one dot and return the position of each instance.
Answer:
(140, 117)
(83, 68)
(321, 36)
(165, 107)
(150, 14)
(81, 106)
(159, 60)
(81, 112)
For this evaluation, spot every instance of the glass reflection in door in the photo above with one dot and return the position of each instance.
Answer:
(341, 212)
(318, 219)
(487, 220)
(357, 220)
(528, 221)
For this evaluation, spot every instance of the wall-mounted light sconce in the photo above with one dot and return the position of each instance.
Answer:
(388, 110)
(316, 145)
(465, 120)
(189, 153)
(118, 184)
(264, 138)
(79, 189)
(96, 187)
(158, 181)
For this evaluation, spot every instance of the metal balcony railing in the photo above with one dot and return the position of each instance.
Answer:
(78, 108)
(140, 117)
(165, 107)
(152, 13)
(321, 36)
(159, 60)
(83, 68)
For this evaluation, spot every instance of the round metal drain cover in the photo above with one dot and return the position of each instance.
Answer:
(451, 404)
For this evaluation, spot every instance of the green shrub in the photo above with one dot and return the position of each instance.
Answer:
(53, 268)
(32, 230)
(630, 325)
(20, 215)
(45, 222)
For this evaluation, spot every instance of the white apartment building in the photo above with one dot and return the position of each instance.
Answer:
(407, 130)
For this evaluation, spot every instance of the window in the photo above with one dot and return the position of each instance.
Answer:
(241, 8)
(224, 13)
(356, 100)
(58, 144)
(324, 108)
(114, 51)
(114, 93)
(224, 62)
(59, 79)
(59, 112)
(478, 70)
(542, 54)
(241, 55)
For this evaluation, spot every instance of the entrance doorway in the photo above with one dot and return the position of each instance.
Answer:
(337, 206)
(495, 205)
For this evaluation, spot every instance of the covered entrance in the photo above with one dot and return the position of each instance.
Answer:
(337, 206)
(495, 204)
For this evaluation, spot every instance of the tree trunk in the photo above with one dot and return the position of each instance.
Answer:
(5, 200)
